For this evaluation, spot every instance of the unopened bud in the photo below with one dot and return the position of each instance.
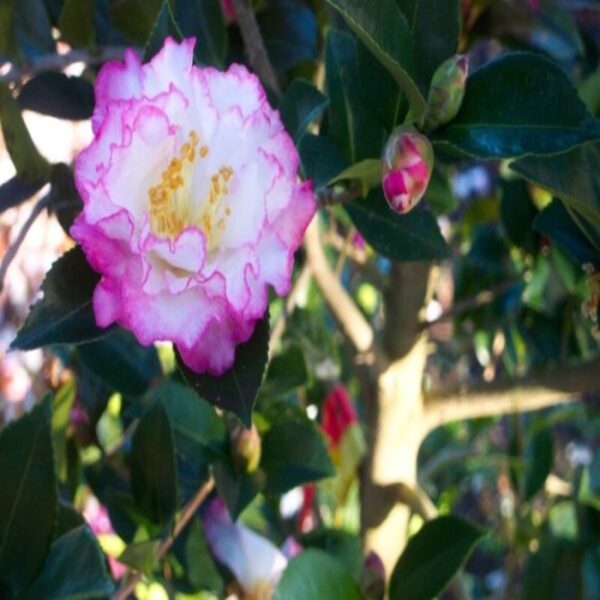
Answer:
(407, 167)
(338, 414)
(447, 91)
(246, 448)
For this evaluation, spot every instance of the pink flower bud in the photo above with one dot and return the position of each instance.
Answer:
(407, 166)
(373, 577)
(338, 414)
(447, 91)
(246, 448)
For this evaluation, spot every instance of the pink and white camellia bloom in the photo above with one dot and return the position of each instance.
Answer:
(192, 203)
(407, 167)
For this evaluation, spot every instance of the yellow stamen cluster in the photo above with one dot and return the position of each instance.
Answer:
(170, 208)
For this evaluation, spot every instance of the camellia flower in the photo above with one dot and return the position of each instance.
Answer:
(192, 203)
(255, 561)
(407, 167)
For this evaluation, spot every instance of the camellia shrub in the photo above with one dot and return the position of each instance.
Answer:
(326, 323)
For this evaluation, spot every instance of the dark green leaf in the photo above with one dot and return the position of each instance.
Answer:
(518, 212)
(367, 172)
(237, 389)
(31, 166)
(432, 558)
(352, 125)
(198, 434)
(573, 176)
(203, 20)
(74, 570)
(77, 22)
(140, 556)
(58, 95)
(164, 25)
(65, 200)
(435, 26)
(344, 546)
(122, 362)
(414, 236)
(65, 314)
(67, 518)
(556, 222)
(385, 32)
(201, 571)
(294, 453)
(17, 190)
(314, 575)
(153, 469)
(321, 160)
(62, 404)
(540, 457)
(289, 30)
(135, 19)
(301, 104)
(286, 372)
(237, 489)
(28, 497)
(549, 117)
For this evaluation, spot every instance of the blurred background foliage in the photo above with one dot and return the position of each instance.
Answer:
(120, 437)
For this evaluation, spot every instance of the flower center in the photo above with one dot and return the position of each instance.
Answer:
(171, 209)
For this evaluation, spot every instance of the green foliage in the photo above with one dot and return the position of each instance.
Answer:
(237, 389)
(313, 575)
(301, 104)
(64, 315)
(27, 470)
(432, 557)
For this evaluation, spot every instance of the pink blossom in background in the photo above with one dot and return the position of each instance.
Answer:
(359, 241)
(192, 203)
(338, 414)
(255, 561)
(228, 10)
(96, 517)
(407, 164)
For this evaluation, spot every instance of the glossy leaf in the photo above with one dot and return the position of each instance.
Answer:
(203, 21)
(539, 456)
(352, 125)
(16, 190)
(77, 22)
(294, 453)
(135, 19)
(572, 176)
(556, 222)
(122, 362)
(65, 314)
(201, 570)
(435, 27)
(289, 30)
(31, 166)
(385, 32)
(286, 372)
(432, 558)
(75, 569)
(153, 469)
(237, 489)
(314, 575)
(518, 212)
(414, 236)
(320, 158)
(367, 172)
(65, 200)
(62, 403)
(198, 434)
(140, 556)
(301, 104)
(58, 95)
(237, 389)
(548, 118)
(67, 519)
(28, 496)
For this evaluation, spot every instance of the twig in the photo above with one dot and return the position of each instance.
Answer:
(560, 385)
(297, 291)
(12, 250)
(57, 62)
(255, 47)
(351, 320)
(188, 512)
(468, 304)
